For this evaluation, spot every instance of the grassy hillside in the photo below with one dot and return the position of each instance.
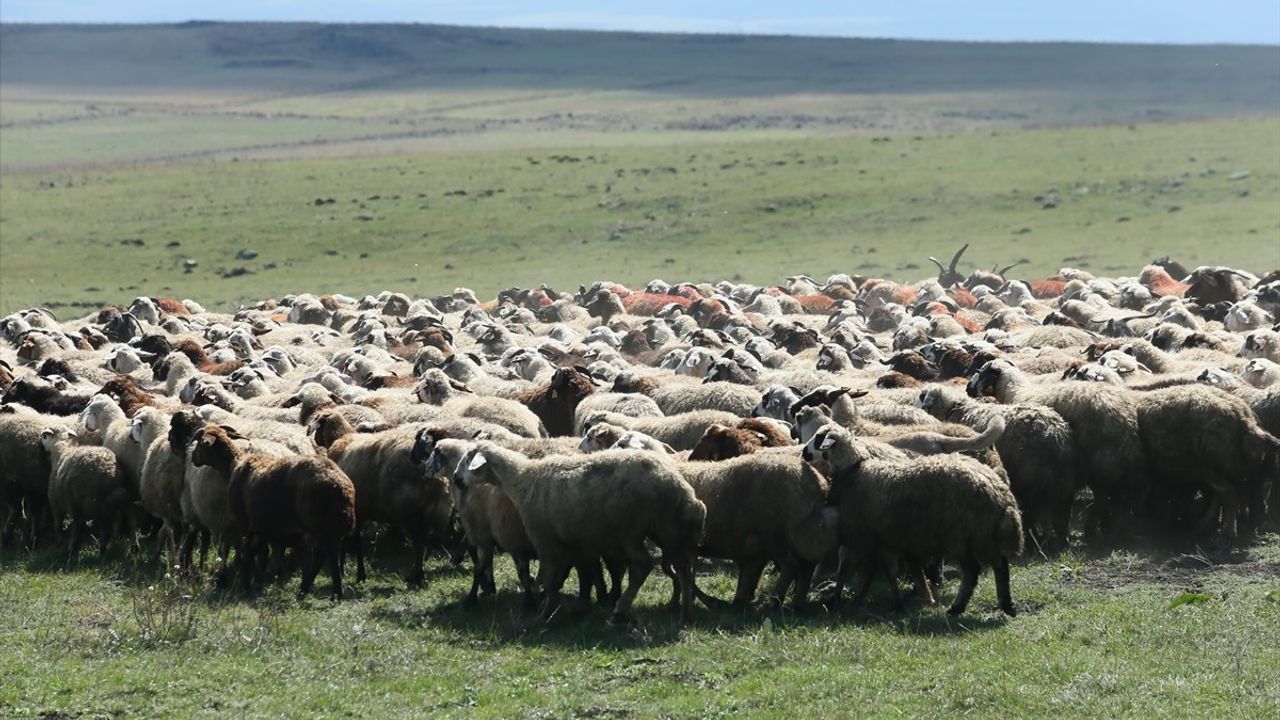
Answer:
(77, 95)
(676, 208)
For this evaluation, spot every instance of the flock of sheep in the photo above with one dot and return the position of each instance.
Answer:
(854, 428)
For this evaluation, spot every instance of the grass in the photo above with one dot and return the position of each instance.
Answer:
(753, 209)
(1096, 637)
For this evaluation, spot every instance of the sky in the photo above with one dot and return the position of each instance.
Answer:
(1171, 21)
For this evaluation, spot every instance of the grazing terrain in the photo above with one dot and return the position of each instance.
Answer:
(229, 163)
(1096, 637)
(1103, 199)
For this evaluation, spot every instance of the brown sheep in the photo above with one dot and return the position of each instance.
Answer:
(720, 442)
(305, 502)
(389, 485)
(556, 402)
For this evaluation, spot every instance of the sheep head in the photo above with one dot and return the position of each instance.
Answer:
(948, 276)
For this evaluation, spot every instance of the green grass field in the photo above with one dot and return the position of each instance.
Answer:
(755, 209)
(1095, 637)
(420, 158)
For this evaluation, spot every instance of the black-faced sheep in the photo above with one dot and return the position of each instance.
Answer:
(942, 506)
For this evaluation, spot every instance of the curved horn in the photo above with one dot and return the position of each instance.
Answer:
(956, 258)
(1007, 268)
(937, 262)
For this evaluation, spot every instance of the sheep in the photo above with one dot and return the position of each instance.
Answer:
(722, 442)
(946, 506)
(1195, 437)
(44, 397)
(1261, 373)
(1264, 403)
(1104, 423)
(556, 403)
(86, 485)
(388, 483)
(675, 397)
(161, 481)
(630, 404)
(25, 467)
(104, 417)
(436, 388)
(681, 431)
(303, 501)
(606, 504)
(1038, 451)
(761, 508)
(488, 518)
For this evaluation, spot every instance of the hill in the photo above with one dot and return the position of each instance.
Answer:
(72, 96)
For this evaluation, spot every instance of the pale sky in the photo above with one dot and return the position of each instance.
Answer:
(1172, 21)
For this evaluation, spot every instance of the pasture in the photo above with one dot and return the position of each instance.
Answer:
(1096, 636)
(231, 163)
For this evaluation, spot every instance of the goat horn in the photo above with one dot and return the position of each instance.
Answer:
(937, 262)
(1007, 268)
(956, 258)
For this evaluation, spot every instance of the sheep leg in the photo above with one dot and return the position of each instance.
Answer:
(1001, 571)
(417, 572)
(1224, 498)
(553, 575)
(616, 568)
(358, 544)
(205, 537)
(684, 574)
(526, 581)
(335, 571)
(749, 572)
(310, 567)
(869, 567)
(638, 568)
(968, 582)
(803, 580)
(923, 586)
(891, 577)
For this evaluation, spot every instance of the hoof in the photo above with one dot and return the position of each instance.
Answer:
(361, 576)
(1009, 610)
(955, 611)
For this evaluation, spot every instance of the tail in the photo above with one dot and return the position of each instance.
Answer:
(989, 436)
(817, 535)
(1009, 532)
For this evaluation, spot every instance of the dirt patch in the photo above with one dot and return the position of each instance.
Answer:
(1179, 571)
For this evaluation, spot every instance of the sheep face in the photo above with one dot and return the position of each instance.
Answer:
(473, 469)
(833, 447)
(985, 382)
(1260, 373)
(598, 435)
(50, 438)
(776, 403)
(636, 440)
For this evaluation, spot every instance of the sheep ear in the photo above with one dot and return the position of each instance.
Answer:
(670, 450)
(857, 393)
(828, 442)
(477, 462)
(291, 402)
(231, 432)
